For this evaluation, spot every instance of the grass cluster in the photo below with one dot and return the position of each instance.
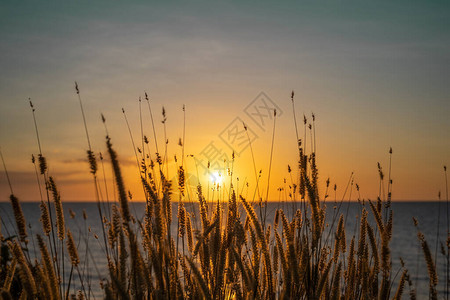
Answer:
(232, 254)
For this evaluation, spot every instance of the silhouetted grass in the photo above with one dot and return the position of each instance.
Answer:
(234, 253)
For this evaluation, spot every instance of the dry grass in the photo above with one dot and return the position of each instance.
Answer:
(233, 255)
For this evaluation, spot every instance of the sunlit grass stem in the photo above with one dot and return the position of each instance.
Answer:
(153, 124)
(254, 164)
(132, 140)
(270, 168)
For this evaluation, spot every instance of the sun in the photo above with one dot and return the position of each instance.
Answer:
(216, 178)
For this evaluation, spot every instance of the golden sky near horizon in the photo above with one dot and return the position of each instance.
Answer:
(376, 75)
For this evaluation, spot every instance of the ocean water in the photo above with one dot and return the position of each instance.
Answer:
(432, 217)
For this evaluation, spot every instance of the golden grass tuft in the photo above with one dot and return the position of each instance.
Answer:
(45, 218)
(26, 277)
(72, 248)
(48, 268)
(60, 221)
(19, 217)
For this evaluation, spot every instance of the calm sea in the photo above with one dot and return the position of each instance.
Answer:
(432, 217)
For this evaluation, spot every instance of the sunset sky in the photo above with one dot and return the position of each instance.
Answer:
(376, 74)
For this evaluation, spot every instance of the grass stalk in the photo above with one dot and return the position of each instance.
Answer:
(254, 165)
(270, 168)
(447, 269)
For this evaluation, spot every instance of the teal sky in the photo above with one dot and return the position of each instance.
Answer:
(375, 73)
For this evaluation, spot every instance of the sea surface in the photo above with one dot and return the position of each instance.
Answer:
(432, 218)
